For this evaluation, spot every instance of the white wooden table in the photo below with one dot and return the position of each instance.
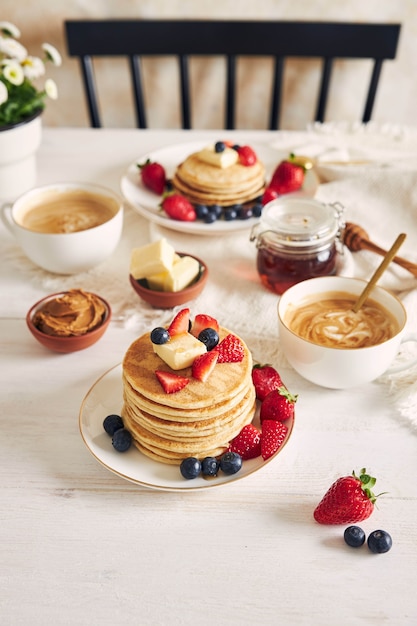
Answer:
(82, 546)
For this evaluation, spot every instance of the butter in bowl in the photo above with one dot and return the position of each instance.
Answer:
(165, 278)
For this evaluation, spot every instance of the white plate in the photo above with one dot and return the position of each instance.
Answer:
(104, 398)
(146, 203)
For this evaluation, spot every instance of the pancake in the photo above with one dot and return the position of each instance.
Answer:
(199, 420)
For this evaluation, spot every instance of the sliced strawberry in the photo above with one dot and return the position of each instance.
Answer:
(203, 365)
(230, 350)
(278, 405)
(247, 155)
(153, 176)
(247, 443)
(171, 383)
(180, 323)
(269, 195)
(273, 436)
(177, 207)
(202, 321)
(266, 379)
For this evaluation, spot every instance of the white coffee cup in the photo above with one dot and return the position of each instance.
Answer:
(66, 252)
(335, 367)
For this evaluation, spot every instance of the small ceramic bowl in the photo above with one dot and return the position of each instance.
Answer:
(71, 343)
(171, 299)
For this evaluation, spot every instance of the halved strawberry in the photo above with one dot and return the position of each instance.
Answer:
(247, 443)
(180, 323)
(273, 436)
(171, 383)
(247, 155)
(203, 365)
(230, 350)
(202, 321)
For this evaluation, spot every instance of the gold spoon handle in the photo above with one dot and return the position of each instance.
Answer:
(379, 271)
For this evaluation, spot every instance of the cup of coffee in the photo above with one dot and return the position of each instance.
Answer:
(330, 345)
(66, 228)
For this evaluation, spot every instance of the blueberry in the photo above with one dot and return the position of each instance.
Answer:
(236, 146)
(112, 423)
(219, 146)
(210, 218)
(244, 213)
(159, 335)
(209, 337)
(230, 214)
(216, 209)
(354, 536)
(257, 209)
(201, 211)
(210, 466)
(379, 541)
(190, 467)
(230, 462)
(122, 440)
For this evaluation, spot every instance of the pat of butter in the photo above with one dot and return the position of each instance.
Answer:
(157, 281)
(180, 351)
(151, 259)
(182, 274)
(220, 159)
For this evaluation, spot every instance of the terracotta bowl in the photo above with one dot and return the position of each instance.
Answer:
(168, 299)
(67, 344)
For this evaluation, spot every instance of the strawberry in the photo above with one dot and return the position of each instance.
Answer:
(348, 500)
(247, 443)
(203, 365)
(202, 321)
(288, 176)
(230, 350)
(180, 323)
(278, 405)
(177, 207)
(247, 155)
(266, 379)
(269, 195)
(153, 176)
(171, 383)
(273, 436)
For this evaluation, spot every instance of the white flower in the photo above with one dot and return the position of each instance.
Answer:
(51, 89)
(13, 72)
(13, 49)
(4, 94)
(10, 29)
(52, 54)
(33, 67)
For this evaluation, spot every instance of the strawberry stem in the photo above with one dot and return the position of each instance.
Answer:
(367, 482)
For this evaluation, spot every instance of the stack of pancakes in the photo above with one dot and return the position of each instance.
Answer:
(204, 183)
(200, 420)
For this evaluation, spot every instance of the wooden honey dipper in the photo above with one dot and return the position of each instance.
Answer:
(356, 238)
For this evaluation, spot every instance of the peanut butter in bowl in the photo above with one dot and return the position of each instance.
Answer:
(70, 320)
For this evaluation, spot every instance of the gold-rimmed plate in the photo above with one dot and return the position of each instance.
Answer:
(105, 398)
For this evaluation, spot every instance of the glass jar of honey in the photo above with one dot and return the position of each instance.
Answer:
(297, 238)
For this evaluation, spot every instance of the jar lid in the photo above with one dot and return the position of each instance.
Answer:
(300, 221)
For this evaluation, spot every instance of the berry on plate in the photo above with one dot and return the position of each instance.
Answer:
(273, 436)
(247, 155)
(203, 365)
(230, 350)
(348, 500)
(230, 462)
(112, 423)
(153, 176)
(203, 321)
(288, 176)
(122, 440)
(171, 383)
(269, 195)
(180, 323)
(190, 468)
(177, 207)
(266, 379)
(247, 443)
(278, 405)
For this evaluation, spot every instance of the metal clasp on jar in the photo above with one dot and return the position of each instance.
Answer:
(339, 210)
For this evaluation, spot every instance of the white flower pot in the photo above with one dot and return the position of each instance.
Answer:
(18, 147)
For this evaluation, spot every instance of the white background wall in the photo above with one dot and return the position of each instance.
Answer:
(396, 100)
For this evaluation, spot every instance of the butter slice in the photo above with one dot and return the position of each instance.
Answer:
(157, 281)
(151, 259)
(220, 159)
(182, 274)
(180, 351)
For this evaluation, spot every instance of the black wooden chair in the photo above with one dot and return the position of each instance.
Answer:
(136, 38)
